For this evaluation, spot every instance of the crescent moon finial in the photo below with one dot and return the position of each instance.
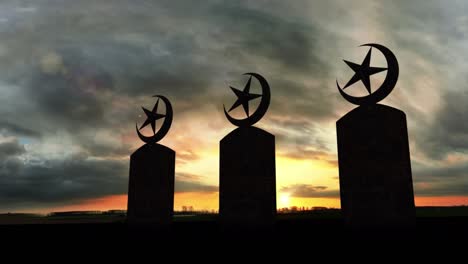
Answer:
(363, 72)
(247, 96)
(165, 126)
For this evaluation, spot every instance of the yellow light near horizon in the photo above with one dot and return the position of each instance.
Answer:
(315, 202)
(206, 166)
(283, 200)
(199, 201)
(303, 171)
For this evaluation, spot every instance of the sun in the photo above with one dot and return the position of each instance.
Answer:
(283, 200)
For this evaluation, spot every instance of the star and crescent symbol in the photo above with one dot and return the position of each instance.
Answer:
(363, 71)
(152, 117)
(244, 97)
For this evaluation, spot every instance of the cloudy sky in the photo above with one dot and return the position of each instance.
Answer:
(74, 74)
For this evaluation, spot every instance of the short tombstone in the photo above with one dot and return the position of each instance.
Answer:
(376, 185)
(152, 166)
(247, 177)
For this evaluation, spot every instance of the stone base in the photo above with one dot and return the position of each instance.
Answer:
(375, 171)
(247, 178)
(151, 185)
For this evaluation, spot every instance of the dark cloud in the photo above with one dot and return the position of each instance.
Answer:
(10, 149)
(296, 131)
(441, 189)
(69, 180)
(454, 172)
(441, 180)
(10, 162)
(57, 182)
(441, 27)
(8, 127)
(162, 56)
(185, 186)
(186, 182)
(448, 181)
(99, 149)
(285, 52)
(313, 102)
(138, 71)
(298, 140)
(260, 34)
(70, 100)
(449, 131)
(309, 191)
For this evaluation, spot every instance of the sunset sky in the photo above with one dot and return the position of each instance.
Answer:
(74, 75)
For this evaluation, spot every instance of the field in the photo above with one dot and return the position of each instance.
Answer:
(433, 225)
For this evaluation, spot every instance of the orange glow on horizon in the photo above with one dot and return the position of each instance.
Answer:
(441, 201)
(199, 201)
(118, 202)
(210, 202)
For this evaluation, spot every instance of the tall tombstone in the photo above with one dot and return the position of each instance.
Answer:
(376, 185)
(247, 175)
(152, 166)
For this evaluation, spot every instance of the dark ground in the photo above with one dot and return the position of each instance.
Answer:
(434, 226)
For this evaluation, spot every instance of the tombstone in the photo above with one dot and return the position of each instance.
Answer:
(247, 177)
(376, 186)
(152, 166)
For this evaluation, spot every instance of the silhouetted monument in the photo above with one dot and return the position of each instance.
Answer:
(247, 178)
(376, 185)
(151, 181)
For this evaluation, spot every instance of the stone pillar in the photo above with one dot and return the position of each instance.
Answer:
(151, 185)
(376, 185)
(247, 179)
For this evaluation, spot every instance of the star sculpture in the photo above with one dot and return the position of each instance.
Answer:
(363, 72)
(243, 97)
(152, 116)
